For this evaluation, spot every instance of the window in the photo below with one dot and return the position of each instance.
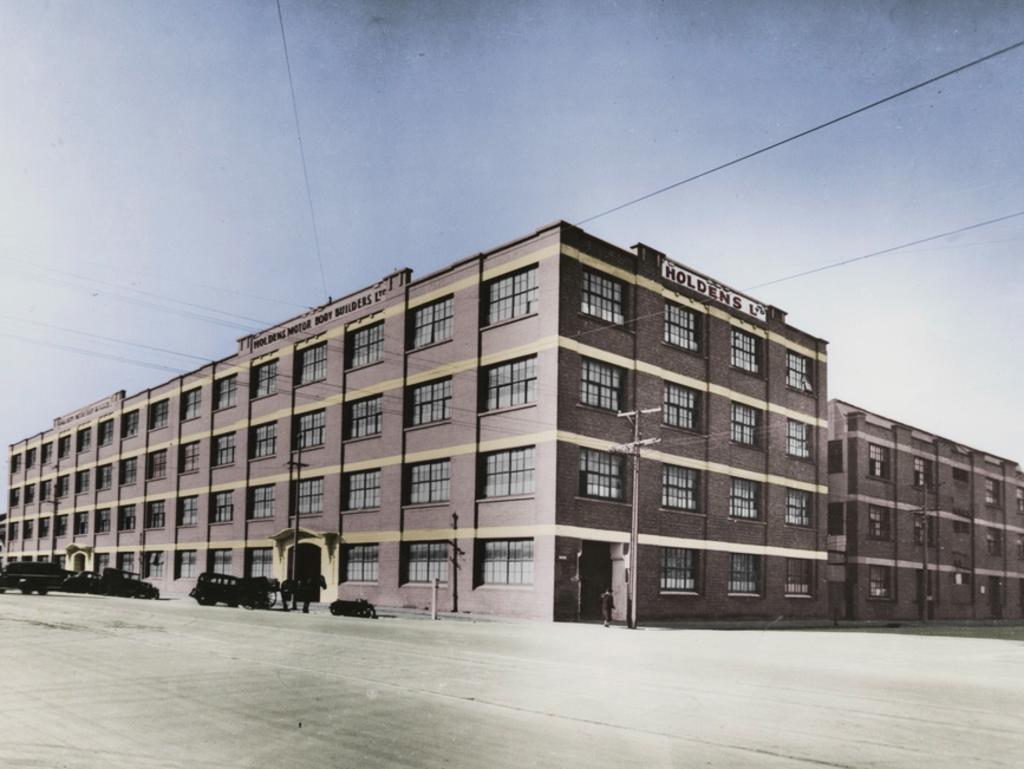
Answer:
(364, 417)
(185, 564)
(188, 511)
(879, 520)
(798, 576)
(746, 353)
(311, 363)
(798, 507)
(602, 297)
(259, 562)
(922, 472)
(682, 327)
(360, 562)
(30, 493)
(679, 407)
(63, 483)
(961, 527)
(104, 476)
(154, 565)
(156, 464)
(83, 440)
(994, 541)
(366, 345)
(431, 402)
(47, 453)
(63, 446)
(1020, 500)
(223, 504)
(362, 490)
(126, 562)
(44, 527)
(156, 515)
(745, 499)
(45, 490)
(744, 573)
(130, 424)
(263, 440)
(220, 561)
(189, 459)
(105, 432)
(429, 482)
(60, 525)
(878, 461)
(798, 372)
(158, 413)
(993, 491)
(309, 496)
(263, 379)
(919, 525)
(224, 449)
(600, 474)
(745, 424)
(224, 392)
(679, 569)
(12, 531)
(511, 384)
(879, 581)
(15, 497)
(30, 460)
(101, 561)
(679, 487)
(961, 475)
(512, 296)
(309, 429)
(261, 502)
(432, 322)
(81, 481)
(426, 561)
(600, 384)
(126, 518)
(27, 532)
(191, 403)
(16, 463)
(798, 439)
(506, 562)
(507, 473)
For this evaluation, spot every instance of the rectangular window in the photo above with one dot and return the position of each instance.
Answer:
(600, 474)
(309, 429)
(81, 481)
(602, 297)
(961, 475)
(600, 385)
(878, 461)
(263, 440)
(15, 497)
(507, 473)
(16, 463)
(429, 482)
(83, 440)
(432, 323)
(745, 499)
(47, 453)
(154, 568)
(30, 493)
(30, 457)
(835, 456)
(28, 530)
(879, 523)
(426, 561)
(746, 351)
(185, 564)
(798, 576)
(80, 522)
(44, 527)
(263, 379)
(362, 490)
(679, 487)
(259, 562)
(309, 496)
(364, 417)
(993, 491)
(156, 464)
(311, 363)
(224, 449)
(45, 490)
(679, 569)
(798, 372)
(431, 402)
(188, 511)
(223, 505)
(919, 525)
(506, 562)
(63, 446)
(512, 296)
(63, 485)
(366, 345)
(105, 432)
(1020, 500)
(130, 424)
(220, 561)
(158, 414)
(224, 392)
(682, 327)
(361, 562)
(994, 541)
(744, 573)
(798, 439)
(156, 515)
(923, 472)
(680, 407)
(101, 561)
(961, 527)
(798, 507)
(745, 424)
(126, 518)
(512, 384)
(60, 525)
(126, 562)
(191, 404)
(880, 581)
(104, 477)
(189, 458)
(261, 501)
(12, 531)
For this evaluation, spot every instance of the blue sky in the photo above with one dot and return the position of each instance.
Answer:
(151, 147)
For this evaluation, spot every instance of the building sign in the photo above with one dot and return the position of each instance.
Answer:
(683, 277)
(106, 405)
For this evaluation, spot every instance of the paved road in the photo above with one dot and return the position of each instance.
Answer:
(103, 682)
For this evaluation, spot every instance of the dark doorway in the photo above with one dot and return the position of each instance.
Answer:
(995, 596)
(595, 577)
(307, 565)
(926, 607)
(78, 562)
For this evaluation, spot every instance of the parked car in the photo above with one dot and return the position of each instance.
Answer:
(82, 582)
(127, 585)
(357, 608)
(29, 576)
(250, 592)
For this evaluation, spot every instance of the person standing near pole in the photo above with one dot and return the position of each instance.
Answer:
(607, 604)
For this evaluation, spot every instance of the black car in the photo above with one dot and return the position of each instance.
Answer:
(126, 584)
(360, 607)
(82, 582)
(29, 576)
(250, 592)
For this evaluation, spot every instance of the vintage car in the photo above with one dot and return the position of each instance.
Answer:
(82, 582)
(29, 576)
(250, 592)
(360, 607)
(126, 584)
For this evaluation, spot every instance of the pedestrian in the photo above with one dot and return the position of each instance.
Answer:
(309, 587)
(287, 591)
(607, 604)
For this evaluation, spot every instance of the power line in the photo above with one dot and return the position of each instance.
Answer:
(93, 353)
(800, 135)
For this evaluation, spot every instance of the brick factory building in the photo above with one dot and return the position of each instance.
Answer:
(461, 426)
(885, 480)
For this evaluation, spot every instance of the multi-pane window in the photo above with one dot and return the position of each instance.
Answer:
(919, 527)
(63, 485)
(104, 476)
(512, 384)
(16, 463)
(261, 501)
(680, 406)
(961, 474)
(506, 562)
(83, 439)
(191, 403)
(220, 561)
(744, 424)
(126, 562)
(744, 573)
(878, 461)
(798, 439)
(63, 446)
(600, 384)
(309, 496)
(185, 564)
(429, 482)
(798, 576)
(682, 327)
(12, 531)
(125, 518)
(46, 453)
(154, 566)
(156, 464)
(993, 491)
(431, 402)
(156, 515)
(879, 581)
(311, 363)
(224, 392)
(366, 345)
(30, 493)
(679, 569)
(364, 417)
(81, 481)
(189, 458)
(15, 497)
(45, 490)
(60, 525)
(922, 472)
(30, 457)
(158, 414)
(745, 499)
(512, 296)
(1020, 500)
(362, 490)
(44, 528)
(798, 507)
(994, 541)
(361, 562)
(600, 474)
(309, 429)
(679, 487)
(224, 449)
(259, 562)
(263, 440)
(27, 533)
(426, 561)
(100, 562)
(102, 520)
(509, 472)
(746, 353)
(879, 523)
(602, 297)
(80, 522)
(130, 424)
(263, 379)
(798, 372)
(433, 322)
(105, 432)
(222, 506)
(188, 511)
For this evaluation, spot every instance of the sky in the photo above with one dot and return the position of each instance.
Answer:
(153, 203)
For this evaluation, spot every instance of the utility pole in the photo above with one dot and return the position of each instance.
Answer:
(293, 493)
(454, 578)
(634, 529)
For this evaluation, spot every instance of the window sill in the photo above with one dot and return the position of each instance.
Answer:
(506, 498)
(189, 472)
(261, 458)
(187, 525)
(425, 505)
(753, 374)
(607, 323)
(679, 592)
(423, 585)
(508, 409)
(678, 348)
(799, 595)
(808, 460)
(501, 586)
(155, 428)
(413, 428)
(599, 409)
(361, 366)
(749, 446)
(799, 391)
(262, 397)
(358, 510)
(429, 346)
(222, 523)
(185, 420)
(359, 582)
(311, 447)
(744, 595)
(507, 321)
(360, 438)
(609, 500)
(310, 382)
(738, 519)
(680, 511)
(148, 528)
(225, 464)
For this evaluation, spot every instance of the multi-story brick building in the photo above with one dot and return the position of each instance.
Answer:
(462, 426)
(892, 488)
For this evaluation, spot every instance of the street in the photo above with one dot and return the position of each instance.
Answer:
(92, 681)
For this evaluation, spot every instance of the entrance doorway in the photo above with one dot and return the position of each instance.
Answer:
(595, 577)
(78, 562)
(307, 565)
(995, 596)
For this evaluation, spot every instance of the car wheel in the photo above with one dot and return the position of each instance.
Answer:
(26, 591)
(335, 610)
(43, 591)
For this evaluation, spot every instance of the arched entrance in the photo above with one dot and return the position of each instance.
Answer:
(307, 566)
(78, 557)
(78, 562)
